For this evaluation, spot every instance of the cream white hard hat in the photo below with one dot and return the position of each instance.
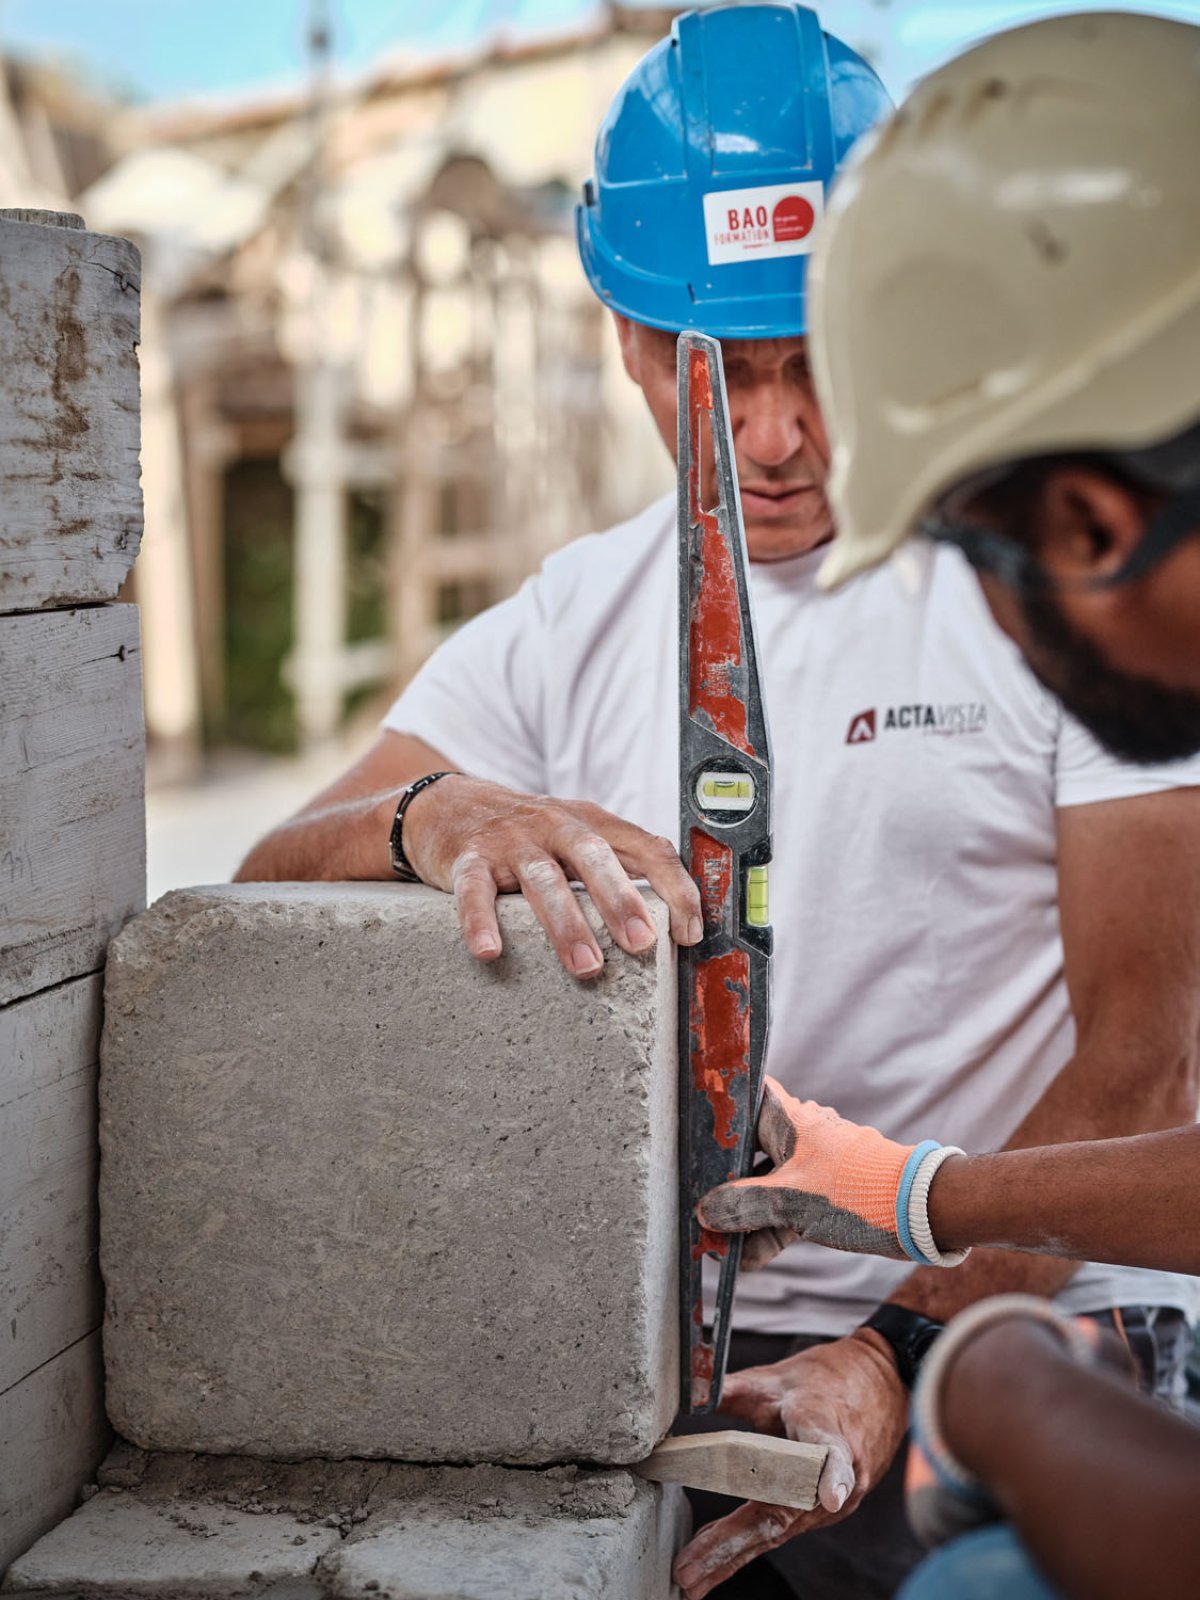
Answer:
(1011, 266)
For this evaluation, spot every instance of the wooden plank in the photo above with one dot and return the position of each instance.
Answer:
(50, 219)
(749, 1466)
(53, 1436)
(50, 1293)
(70, 501)
(72, 792)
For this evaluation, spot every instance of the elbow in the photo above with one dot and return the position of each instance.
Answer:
(1179, 1072)
(1143, 1081)
(1191, 1083)
(1169, 1089)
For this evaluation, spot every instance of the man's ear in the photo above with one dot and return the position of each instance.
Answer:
(627, 333)
(1088, 524)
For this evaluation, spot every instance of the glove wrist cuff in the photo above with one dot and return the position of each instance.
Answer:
(919, 1229)
(927, 1393)
(916, 1156)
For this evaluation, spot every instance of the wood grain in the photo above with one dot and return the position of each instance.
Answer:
(70, 501)
(53, 1436)
(72, 820)
(748, 1466)
(49, 1281)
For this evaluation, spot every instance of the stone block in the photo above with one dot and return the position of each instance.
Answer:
(480, 1533)
(118, 1544)
(191, 1528)
(70, 502)
(362, 1196)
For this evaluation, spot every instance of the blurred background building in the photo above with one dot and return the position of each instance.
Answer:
(377, 390)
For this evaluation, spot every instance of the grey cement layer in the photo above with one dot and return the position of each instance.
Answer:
(362, 1196)
(187, 1528)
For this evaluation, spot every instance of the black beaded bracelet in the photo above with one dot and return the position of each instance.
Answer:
(401, 865)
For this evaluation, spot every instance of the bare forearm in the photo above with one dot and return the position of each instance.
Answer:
(477, 839)
(1101, 1484)
(342, 835)
(1098, 1096)
(1133, 1201)
(340, 842)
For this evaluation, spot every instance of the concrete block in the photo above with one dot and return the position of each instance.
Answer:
(361, 1196)
(117, 1544)
(72, 783)
(582, 1537)
(210, 1528)
(70, 504)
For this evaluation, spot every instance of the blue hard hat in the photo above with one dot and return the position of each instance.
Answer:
(711, 170)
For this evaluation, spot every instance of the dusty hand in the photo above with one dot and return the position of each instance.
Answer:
(477, 839)
(833, 1183)
(845, 1395)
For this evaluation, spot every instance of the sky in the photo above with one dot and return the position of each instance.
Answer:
(168, 48)
(165, 49)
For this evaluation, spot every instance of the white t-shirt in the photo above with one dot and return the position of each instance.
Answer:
(918, 970)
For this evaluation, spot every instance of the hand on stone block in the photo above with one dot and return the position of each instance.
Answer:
(833, 1183)
(477, 839)
(845, 1395)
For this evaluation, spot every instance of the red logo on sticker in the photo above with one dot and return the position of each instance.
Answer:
(792, 219)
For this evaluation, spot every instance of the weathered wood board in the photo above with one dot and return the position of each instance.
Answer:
(53, 1435)
(49, 1280)
(70, 501)
(72, 785)
(748, 1466)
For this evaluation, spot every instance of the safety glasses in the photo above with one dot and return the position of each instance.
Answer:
(1005, 558)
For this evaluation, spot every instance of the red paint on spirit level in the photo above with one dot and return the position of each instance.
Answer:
(720, 1024)
(703, 1359)
(709, 1244)
(719, 1004)
(712, 868)
(715, 625)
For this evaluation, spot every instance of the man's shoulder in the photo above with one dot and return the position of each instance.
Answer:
(649, 523)
(598, 563)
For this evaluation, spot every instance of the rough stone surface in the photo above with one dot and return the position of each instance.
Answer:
(361, 1196)
(118, 1544)
(430, 1554)
(184, 1526)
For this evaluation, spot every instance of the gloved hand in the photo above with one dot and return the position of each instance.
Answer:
(833, 1183)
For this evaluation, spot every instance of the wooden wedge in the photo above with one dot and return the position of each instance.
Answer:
(749, 1466)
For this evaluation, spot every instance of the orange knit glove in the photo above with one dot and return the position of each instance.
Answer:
(833, 1183)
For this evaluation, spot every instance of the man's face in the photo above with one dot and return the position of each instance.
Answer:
(1124, 660)
(1136, 717)
(778, 436)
